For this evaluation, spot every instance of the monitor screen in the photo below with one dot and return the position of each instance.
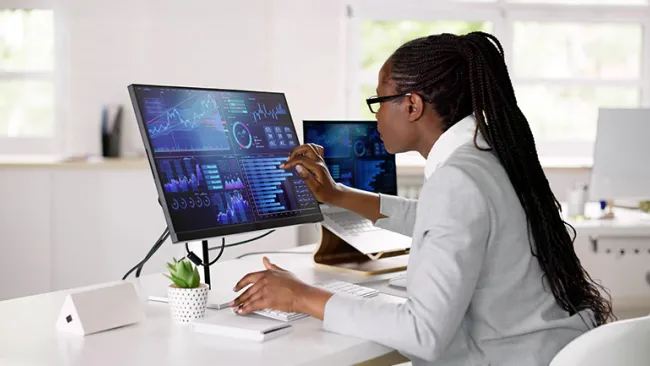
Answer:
(354, 154)
(215, 157)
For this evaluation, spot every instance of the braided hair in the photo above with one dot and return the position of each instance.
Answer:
(461, 75)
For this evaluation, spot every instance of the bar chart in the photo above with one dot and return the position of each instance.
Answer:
(269, 184)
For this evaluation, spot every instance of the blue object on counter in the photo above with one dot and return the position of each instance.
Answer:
(603, 205)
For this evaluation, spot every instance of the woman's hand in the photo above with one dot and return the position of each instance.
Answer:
(309, 163)
(278, 289)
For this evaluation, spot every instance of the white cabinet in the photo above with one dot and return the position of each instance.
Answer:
(24, 232)
(617, 254)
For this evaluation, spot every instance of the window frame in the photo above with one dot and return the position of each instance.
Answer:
(502, 14)
(46, 145)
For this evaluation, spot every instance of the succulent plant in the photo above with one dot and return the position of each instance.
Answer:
(183, 274)
(644, 206)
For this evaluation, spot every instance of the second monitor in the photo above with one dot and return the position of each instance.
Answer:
(354, 154)
(356, 157)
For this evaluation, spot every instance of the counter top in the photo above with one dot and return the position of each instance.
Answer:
(59, 162)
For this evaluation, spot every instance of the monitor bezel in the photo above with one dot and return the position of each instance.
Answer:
(343, 121)
(205, 234)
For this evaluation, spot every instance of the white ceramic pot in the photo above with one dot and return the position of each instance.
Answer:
(187, 304)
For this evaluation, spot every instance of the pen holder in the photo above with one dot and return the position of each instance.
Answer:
(187, 304)
(111, 131)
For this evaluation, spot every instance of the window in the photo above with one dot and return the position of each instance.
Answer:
(565, 71)
(381, 38)
(567, 58)
(27, 79)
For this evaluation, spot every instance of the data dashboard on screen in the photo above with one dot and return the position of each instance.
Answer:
(216, 155)
(354, 154)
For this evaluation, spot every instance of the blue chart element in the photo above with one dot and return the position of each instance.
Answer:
(242, 135)
(268, 183)
(154, 106)
(370, 174)
(234, 183)
(335, 139)
(262, 112)
(182, 175)
(279, 138)
(192, 123)
(303, 194)
(212, 176)
(359, 148)
(233, 208)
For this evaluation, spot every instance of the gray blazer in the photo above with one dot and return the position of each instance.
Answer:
(475, 292)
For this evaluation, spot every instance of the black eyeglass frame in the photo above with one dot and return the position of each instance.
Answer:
(377, 100)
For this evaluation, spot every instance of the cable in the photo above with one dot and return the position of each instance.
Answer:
(138, 267)
(223, 246)
(270, 252)
(197, 261)
(151, 252)
(245, 241)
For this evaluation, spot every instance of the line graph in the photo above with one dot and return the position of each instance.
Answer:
(233, 208)
(233, 183)
(182, 175)
(262, 112)
(193, 123)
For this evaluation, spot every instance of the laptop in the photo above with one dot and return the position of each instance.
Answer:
(357, 158)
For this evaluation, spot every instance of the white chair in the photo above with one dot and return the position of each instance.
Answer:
(621, 343)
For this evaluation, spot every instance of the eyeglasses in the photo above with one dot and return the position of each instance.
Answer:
(378, 100)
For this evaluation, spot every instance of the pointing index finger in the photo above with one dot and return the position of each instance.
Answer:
(306, 150)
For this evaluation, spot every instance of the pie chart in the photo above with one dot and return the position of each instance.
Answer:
(242, 135)
(359, 148)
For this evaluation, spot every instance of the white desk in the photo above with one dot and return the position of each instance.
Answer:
(28, 336)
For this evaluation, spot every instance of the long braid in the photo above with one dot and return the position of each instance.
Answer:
(461, 75)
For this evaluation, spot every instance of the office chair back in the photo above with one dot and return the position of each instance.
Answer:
(621, 343)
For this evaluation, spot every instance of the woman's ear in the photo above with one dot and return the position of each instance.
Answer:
(416, 107)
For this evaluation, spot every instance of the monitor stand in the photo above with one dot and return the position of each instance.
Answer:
(335, 253)
(206, 263)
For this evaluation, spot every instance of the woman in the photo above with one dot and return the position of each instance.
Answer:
(493, 278)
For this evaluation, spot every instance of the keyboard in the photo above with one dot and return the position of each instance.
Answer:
(352, 223)
(337, 287)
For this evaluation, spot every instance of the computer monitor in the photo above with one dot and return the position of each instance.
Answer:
(215, 157)
(354, 154)
(620, 155)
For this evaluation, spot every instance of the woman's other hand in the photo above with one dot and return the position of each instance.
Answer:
(276, 288)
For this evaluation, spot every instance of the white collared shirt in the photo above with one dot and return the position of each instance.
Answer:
(457, 135)
(475, 292)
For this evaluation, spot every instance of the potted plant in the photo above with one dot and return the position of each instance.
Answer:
(188, 297)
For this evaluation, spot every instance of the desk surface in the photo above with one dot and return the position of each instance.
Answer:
(626, 223)
(28, 335)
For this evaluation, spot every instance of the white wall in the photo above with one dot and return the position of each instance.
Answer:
(283, 45)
